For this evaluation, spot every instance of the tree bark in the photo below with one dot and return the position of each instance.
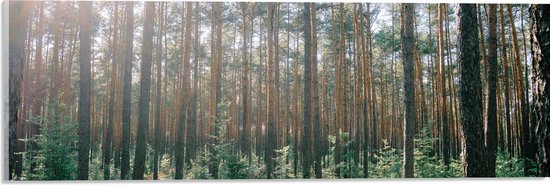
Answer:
(245, 148)
(185, 86)
(144, 92)
(492, 71)
(85, 20)
(366, 97)
(407, 45)
(442, 93)
(526, 149)
(315, 93)
(18, 16)
(540, 50)
(127, 92)
(471, 110)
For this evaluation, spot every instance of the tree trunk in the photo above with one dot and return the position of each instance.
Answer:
(471, 109)
(144, 92)
(271, 119)
(127, 92)
(296, 99)
(526, 149)
(506, 83)
(407, 45)
(38, 85)
(442, 93)
(184, 112)
(366, 98)
(244, 136)
(192, 124)
(492, 71)
(315, 101)
(157, 117)
(540, 26)
(19, 14)
(107, 142)
(85, 20)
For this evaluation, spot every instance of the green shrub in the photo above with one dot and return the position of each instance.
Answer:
(426, 165)
(389, 163)
(199, 167)
(283, 169)
(257, 167)
(56, 155)
(508, 167)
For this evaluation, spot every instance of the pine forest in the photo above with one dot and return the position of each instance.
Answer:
(119, 90)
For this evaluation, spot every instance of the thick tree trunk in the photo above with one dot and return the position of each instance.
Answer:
(471, 108)
(158, 103)
(270, 141)
(144, 92)
(407, 45)
(245, 148)
(492, 71)
(540, 51)
(127, 92)
(19, 14)
(85, 16)
(315, 95)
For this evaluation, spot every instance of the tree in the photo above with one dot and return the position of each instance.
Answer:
(126, 92)
(38, 87)
(442, 93)
(506, 83)
(492, 71)
(315, 93)
(19, 14)
(191, 131)
(215, 84)
(407, 45)
(526, 149)
(366, 98)
(185, 85)
(306, 147)
(85, 20)
(471, 110)
(158, 94)
(109, 133)
(246, 68)
(271, 140)
(540, 26)
(144, 92)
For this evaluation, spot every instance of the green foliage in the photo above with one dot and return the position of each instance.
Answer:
(166, 169)
(329, 172)
(509, 167)
(95, 169)
(427, 165)
(235, 167)
(257, 167)
(230, 165)
(348, 168)
(56, 155)
(283, 169)
(199, 167)
(389, 163)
